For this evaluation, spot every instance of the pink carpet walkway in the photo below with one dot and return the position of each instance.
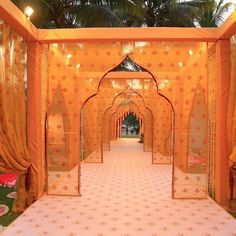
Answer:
(125, 196)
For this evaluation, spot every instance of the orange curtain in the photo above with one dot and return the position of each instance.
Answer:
(13, 149)
(232, 104)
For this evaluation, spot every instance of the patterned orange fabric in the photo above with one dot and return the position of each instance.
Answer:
(13, 149)
(176, 83)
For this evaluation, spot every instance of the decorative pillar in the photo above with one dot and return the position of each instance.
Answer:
(119, 127)
(141, 126)
(223, 77)
(34, 117)
(113, 127)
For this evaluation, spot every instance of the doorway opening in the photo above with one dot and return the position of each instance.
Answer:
(98, 103)
(130, 127)
(128, 84)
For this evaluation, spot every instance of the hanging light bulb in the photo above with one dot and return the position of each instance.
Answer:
(28, 11)
(190, 52)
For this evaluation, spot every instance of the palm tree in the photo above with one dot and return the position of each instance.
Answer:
(169, 13)
(174, 13)
(209, 13)
(107, 13)
(80, 13)
(125, 13)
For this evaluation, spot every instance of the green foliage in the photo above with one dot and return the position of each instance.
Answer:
(131, 120)
(80, 13)
(211, 13)
(168, 13)
(125, 13)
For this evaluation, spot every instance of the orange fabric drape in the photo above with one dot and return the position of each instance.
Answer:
(177, 67)
(13, 150)
(223, 68)
(232, 101)
(231, 118)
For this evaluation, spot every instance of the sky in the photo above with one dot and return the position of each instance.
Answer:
(231, 10)
(233, 2)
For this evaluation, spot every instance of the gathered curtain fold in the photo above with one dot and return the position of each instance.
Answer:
(13, 145)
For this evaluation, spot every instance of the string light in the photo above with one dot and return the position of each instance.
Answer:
(190, 52)
(163, 84)
(55, 45)
(127, 48)
(181, 64)
(141, 44)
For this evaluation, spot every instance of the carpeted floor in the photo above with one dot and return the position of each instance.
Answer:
(125, 196)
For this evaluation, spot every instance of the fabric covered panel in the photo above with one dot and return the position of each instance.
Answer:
(13, 152)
